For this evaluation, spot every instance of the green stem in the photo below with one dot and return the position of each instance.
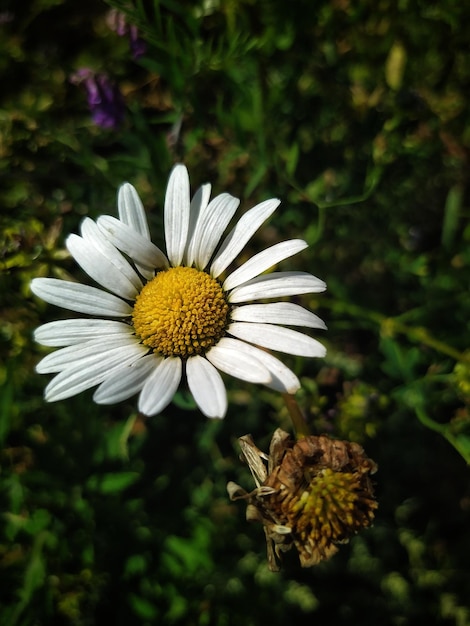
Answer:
(461, 447)
(296, 415)
(390, 326)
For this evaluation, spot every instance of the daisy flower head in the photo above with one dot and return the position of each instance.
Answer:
(156, 318)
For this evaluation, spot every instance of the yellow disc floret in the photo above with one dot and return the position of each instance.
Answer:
(180, 312)
(333, 507)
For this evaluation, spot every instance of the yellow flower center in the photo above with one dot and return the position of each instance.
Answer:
(180, 312)
(333, 507)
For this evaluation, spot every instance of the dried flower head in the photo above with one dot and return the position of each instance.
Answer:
(315, 493)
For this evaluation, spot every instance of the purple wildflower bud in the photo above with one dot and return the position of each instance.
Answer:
(6, 16)
(137, 44)
(104, 98)
(117, 22)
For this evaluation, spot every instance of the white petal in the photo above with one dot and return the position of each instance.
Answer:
(160, 386)
(199, 204)
(125, 238)
(73, 331)
(126, 381)
(177, 214)
(207, 387)
(91, 233)
(80, 298)
(286, 313)
(74, 380)
(132, 213)
(227, 357)
(100, 267)
(86, 353)
(245, 228)
(277, 338)
(263, 261)
(276, 285)
(131, 210)
(209, 228)
(283, 379)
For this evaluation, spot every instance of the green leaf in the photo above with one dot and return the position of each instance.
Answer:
(112, 482)
(451, 216)
(6, 406)
(142, 607)
(400, 362)
(118, 437)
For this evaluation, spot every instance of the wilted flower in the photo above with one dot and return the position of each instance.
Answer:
(117, 21)
(315, 493)
(104, 98)
(169, 313)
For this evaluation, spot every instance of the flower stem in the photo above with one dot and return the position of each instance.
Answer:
(296, 415)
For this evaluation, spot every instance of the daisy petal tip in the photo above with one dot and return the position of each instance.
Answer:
(319, 352)
(35, 286)
(293, 388)
(214, 415)
(128, 192)
(100, 398)
(50, 396)
(147, 411)
(179, 176)
(179, 168)
(143, 410)
(70, 237)
(218, 417)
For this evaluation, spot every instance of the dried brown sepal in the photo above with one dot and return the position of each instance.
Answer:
(314, 493)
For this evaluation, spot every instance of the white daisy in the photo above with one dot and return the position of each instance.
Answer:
(161, 316)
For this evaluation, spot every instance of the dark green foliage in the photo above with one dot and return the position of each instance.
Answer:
(357, 116)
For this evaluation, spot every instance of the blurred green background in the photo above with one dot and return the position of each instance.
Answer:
(356, 115)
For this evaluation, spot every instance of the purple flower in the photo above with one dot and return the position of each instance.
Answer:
(104, 98)
(6, 16)
(117, 21)
(137, 44)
